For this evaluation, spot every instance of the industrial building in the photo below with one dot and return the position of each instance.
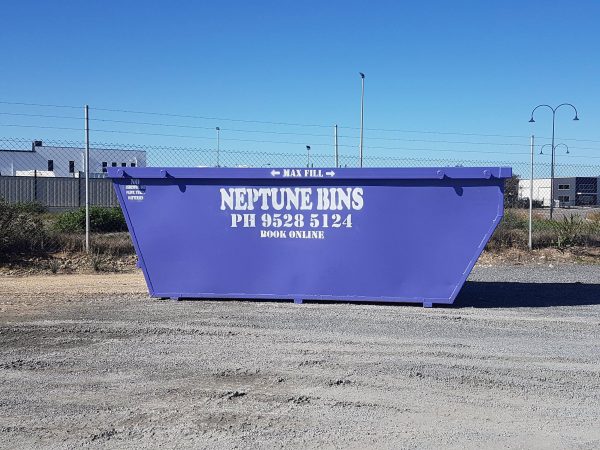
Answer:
(52, 161)
(569, 191)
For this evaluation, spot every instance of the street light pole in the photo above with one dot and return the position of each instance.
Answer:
(553, 147)
(362, 108)
(542, 153)
(218, 145)
(308, 156)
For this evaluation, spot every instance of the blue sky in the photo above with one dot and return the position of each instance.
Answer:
(473, 67)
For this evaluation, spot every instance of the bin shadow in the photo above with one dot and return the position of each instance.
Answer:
(479, 294)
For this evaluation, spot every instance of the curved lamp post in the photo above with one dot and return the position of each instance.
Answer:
(308, 156)
(531, 120)
(556, 146)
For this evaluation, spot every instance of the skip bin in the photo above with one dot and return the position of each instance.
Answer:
(384, 235)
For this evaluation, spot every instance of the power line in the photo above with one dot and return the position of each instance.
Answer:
(48, 116)
(263, 132)
(41, 105)
(258, 141)
(129, 122)
(211, 128)
(264, 122)
(39, 126)
(189, 116)
(390, 130)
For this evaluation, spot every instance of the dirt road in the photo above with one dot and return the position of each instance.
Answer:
(90, 360)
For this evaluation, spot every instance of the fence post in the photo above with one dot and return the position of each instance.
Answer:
(87, 179)
(335, 140)
(531, 198)
(35, 185)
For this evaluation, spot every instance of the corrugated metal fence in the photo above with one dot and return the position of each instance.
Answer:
(57, 192)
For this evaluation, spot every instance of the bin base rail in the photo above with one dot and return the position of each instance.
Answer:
(368, 235)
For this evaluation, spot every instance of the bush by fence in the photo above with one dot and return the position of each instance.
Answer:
(28, 229)
(102, 220)
(21, 229)
(568, 231)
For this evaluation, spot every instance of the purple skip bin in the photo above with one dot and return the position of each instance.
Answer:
(384, 235)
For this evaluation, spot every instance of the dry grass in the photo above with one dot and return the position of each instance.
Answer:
(30, 243)
(110, 252)
(579, 255)
(111, 244)
(594, 217)
(563, 233)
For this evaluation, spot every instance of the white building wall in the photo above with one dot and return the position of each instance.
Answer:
(12, 162)
(564, 191)
(541, 190)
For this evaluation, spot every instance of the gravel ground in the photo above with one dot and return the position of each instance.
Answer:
(90, 360)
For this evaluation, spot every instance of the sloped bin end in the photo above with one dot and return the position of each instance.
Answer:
(381, 235)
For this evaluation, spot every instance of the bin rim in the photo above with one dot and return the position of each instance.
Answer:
(321, 173)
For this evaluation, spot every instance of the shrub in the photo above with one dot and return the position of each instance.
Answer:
(30, 207)
(54, 265)
(97, 262)
(511, 191)
(568, 230)
(507, 238)
(511, 231)
(101, 220)
(514, 220)
(524, 203)
(25, 229)
(20, 230)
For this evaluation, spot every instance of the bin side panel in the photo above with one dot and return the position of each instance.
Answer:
(411, 240)
(121, 194)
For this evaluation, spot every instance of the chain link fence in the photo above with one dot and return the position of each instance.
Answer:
(52, 174)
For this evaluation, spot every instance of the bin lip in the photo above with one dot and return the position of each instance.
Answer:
(322, 173)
